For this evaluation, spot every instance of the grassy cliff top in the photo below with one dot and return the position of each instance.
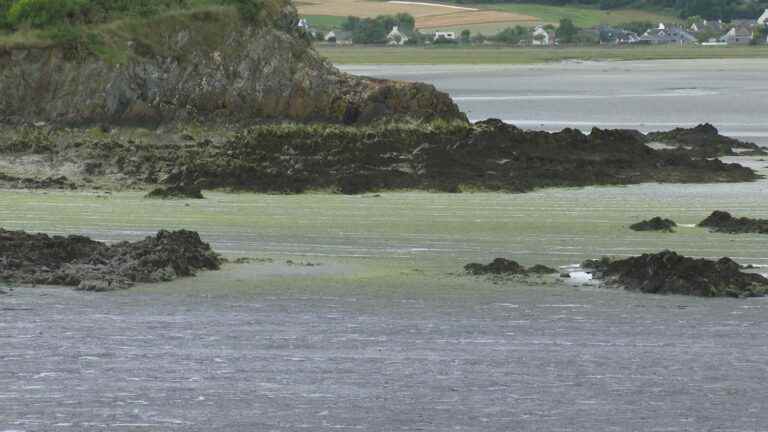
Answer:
(109, 34)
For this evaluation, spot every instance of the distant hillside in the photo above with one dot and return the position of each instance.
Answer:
(485, 18)
(710, 9)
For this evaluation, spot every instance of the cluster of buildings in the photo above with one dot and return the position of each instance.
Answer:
(395, 37)
(704, 32)
(707, 32)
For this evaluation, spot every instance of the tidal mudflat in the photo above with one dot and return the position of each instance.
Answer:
(355, 315)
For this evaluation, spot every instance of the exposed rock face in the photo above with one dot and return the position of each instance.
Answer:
(89, 265)
(488, 155)
(720, 221)
(207, 66)
(655, 224)
(503, 266)
(705, 140)
(669, 273)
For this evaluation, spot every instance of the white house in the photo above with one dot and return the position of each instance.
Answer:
(396, 37)
(763, 20)
(448, 36)
(339, 37)
(737, 35)
(541, 36)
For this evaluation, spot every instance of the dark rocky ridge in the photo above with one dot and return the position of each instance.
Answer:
(724, 222)
(489, 155)
(669, 273)
(90, 265)
(655, 224)
(503, 266)
(705, 140)
(201, 66)
(176, 192)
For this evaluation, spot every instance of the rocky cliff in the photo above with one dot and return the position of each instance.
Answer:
(203, 65)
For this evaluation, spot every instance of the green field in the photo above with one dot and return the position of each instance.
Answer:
(509, 55)
(581, 16)
(325, 22)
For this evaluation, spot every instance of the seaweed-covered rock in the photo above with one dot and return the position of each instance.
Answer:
(541, 269)
(503, 266)
(438, 156)
(80, 262)
(58, 182)
(724, 222)
(655, 224)
(176, 192)
(669, 273)
(705, 140)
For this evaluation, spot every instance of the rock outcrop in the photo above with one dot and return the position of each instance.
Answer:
(669, 273)
(506, 267)
(176, 192)
(724, 222)
(85, 264)
(705, 140)
(655, 224)
(200, 65)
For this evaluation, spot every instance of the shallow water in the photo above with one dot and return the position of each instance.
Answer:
(384, 334)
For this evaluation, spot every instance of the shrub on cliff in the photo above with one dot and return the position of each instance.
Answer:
(54, 13)
(4, 6)
(249, 9)
(44, 13)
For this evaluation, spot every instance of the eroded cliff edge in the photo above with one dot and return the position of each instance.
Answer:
(200, 65)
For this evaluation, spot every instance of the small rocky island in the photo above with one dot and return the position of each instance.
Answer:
(706, 141)
(85, 264)
(655, 224)
(724, 222)
(667, 272)
(506, 267)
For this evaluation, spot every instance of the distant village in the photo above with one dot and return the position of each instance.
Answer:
(400, 31)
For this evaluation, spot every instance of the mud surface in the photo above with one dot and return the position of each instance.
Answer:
(89, 265)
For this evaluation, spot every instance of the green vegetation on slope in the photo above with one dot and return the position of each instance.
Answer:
(478, 55)
(325, 22)
(106, 27)
(52, 14)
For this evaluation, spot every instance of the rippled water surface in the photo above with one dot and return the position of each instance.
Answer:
(383, 333)
(732, 94)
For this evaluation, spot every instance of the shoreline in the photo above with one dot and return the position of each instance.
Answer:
(503, 55)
